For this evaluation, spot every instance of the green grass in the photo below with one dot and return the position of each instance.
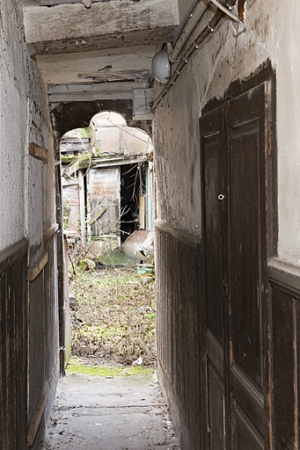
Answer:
(76, 366)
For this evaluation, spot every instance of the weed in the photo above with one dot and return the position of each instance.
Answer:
(112, 321)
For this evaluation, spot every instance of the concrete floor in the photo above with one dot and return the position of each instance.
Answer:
(122, 413)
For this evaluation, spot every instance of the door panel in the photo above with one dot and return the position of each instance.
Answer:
(247, 437)
(245, 392)
(214, 176)
(216, 409)
(213, 187)
(247, 231)
(247, 261)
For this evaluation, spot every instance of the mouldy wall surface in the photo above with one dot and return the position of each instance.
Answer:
(225, 58)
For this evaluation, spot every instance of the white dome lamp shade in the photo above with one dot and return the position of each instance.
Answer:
(161, 66)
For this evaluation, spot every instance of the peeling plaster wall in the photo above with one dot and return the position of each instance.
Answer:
(24, 119)
(13, 115)
(271, 32)
(27, 198)
(176, 136)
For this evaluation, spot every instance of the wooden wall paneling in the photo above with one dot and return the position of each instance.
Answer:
(174, 314)
(178, 322)
(13, 342)
(168, 303)
(12, 337)
(3, 437)
(284, 287)
(179, 368)
(36, 344)
(60, 262)
(22, 327)
(8, 423)
(285, 317)
(51, 308)
(158, 295)
(194, 358)
(296, 305)
(68, 338)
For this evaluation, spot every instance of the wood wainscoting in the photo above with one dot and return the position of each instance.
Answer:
(13, 344)
(178, 332)
(284, 291)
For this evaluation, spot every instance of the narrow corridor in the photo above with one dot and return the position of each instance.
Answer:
(121, 413)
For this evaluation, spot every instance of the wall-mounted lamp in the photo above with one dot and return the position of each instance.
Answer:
(161, 66)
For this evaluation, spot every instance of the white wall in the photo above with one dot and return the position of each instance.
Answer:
(271, 32)
(26, 186)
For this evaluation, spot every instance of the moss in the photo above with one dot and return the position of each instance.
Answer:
(150, 316)
(86, 264)
(67, 159)
(77, 366)
(86, 133)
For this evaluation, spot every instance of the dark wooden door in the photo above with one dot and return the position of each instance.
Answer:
(234, 181)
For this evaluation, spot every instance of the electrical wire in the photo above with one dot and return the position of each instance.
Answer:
(195, 45)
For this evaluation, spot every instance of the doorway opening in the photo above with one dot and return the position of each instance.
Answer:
(111, 304)
(109, 246)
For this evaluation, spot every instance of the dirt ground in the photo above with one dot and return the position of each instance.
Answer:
(113, 325)
(113, 316)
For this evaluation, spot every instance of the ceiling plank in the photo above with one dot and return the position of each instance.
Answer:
(68, 28)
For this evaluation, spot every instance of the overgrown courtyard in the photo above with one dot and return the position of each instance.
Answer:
(113, 317)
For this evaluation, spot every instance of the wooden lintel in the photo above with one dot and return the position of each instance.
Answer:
(284, 274)
(192, 240)
(37, 417)
(38, 152)
(10, 255)
(33, 272)
(49, 232)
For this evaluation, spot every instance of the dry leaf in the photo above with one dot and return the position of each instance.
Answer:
(87, 3)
